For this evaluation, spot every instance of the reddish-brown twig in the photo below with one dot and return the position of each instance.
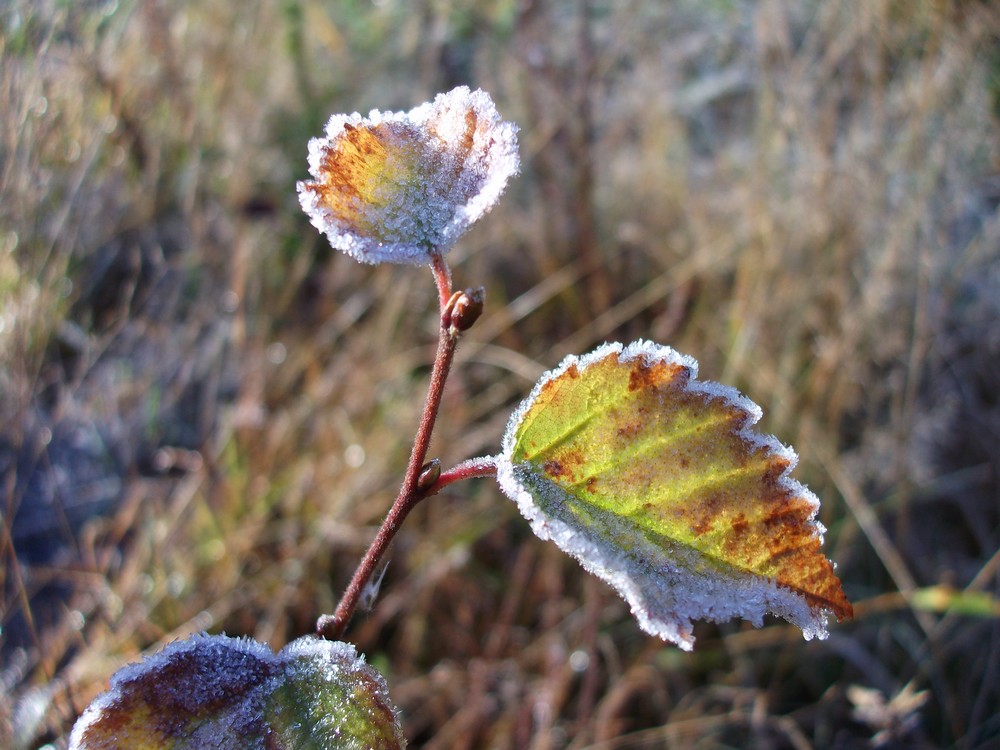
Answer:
(455, 318)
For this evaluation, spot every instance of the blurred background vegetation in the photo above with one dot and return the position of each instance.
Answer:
(205, 410)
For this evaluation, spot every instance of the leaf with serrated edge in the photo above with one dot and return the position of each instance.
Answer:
(657, 484)
(236, 694)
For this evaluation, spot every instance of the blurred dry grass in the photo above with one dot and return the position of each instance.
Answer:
(205, 411)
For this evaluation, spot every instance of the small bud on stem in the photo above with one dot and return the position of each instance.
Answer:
(430, 472)
(462, 310)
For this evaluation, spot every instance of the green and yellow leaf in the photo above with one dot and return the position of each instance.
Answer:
(235, 694)
(657, 484)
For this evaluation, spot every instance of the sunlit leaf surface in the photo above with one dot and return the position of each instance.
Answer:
(395, 187)
(235, 694)
(656, 482)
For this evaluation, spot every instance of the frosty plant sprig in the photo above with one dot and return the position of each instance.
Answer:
(654, 480)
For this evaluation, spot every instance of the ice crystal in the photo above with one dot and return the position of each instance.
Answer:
(398, 187)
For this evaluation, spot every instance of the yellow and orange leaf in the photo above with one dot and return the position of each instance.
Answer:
(398, 187)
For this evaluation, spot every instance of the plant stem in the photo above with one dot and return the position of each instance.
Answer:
(442, 276)
(473, 468)
(333, 626)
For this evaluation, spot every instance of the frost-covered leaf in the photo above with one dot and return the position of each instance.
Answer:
(656, 483)
(395, 187)
(329, 698)
(235, 694)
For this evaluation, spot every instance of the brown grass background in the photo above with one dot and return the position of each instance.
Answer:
(205, 411)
